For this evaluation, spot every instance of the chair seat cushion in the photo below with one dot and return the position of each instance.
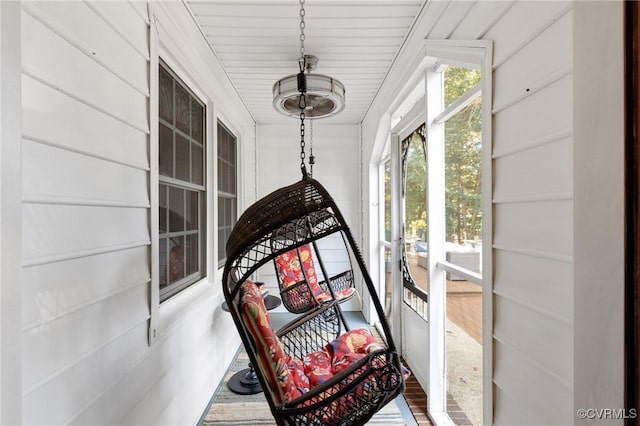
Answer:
(269, 352)
(288, 377)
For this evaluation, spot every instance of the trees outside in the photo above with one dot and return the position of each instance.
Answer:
(463, 148)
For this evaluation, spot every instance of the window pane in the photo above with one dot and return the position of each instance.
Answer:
(462, 175)
(182, 109)
(165, 151)
(458, 81)
(222, 242)
(163, 262)
(162, 213)
(191, 214)
(176, 259)
(197, 175)
(227, 185)
(166, 96)
(176, 209)
(197, 121)
(182, 158)
(221, 212)
(224, 181)
(192, 254)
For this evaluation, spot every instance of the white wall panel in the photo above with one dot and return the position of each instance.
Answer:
(86, 257)
(549, 289)
(537, 117)
(56, 289)
(152, 385)
(482, 16)
(524, 71)
(52, 174)
(72, 389)
(46, 116)
(128, 19)
(542, 171)
(509, 411)
(544, 338)
(50, 57)
(52, 231)
(55, 346)
(535, 226)
(520, 24)
(87, 31)
(542, 399)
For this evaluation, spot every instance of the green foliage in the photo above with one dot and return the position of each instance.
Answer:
(416, 186)
(463, 146)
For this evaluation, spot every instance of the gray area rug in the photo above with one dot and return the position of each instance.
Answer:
(229, 408)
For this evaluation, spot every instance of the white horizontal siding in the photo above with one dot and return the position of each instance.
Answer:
(542, 172)
(547, 290)
(55, 61)
(74, 337)
(541, 399)
(87, 31)
(537, 227)
(46, 109)
(521, 24)
(86, 253)
(533, 214)
(51, 175)
(52, 290)
(60, 232)
(540, 336)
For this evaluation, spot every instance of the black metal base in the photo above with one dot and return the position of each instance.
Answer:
(244, 382)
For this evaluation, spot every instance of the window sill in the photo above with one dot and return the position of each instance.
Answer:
(178, 309)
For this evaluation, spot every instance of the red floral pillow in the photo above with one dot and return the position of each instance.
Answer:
(290, 270)
(296, 371)
(271, 356)
(317, 367)
(358, 341)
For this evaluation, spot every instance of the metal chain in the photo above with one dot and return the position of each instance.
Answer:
(302, 143)
(302, 101)
(302, 36)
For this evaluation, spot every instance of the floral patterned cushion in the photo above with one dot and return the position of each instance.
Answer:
(292, 267)
(317, 367)
(288, 377)
(296, 371)
(271, 356)
(294, 264)
(358, 341)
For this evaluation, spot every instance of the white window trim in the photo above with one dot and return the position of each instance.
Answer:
(163, 317)
(474, 54)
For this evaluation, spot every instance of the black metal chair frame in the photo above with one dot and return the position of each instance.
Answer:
(353, 395)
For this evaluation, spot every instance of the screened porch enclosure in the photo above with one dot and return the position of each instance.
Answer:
(135, 133)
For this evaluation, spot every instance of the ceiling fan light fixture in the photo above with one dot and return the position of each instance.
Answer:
(324, 96)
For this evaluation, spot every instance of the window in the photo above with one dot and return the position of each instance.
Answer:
(227, 189)
(181, 185)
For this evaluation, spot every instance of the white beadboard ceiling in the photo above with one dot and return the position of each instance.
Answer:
(258, 42)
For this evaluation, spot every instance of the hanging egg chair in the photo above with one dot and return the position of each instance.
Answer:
(311, 373)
